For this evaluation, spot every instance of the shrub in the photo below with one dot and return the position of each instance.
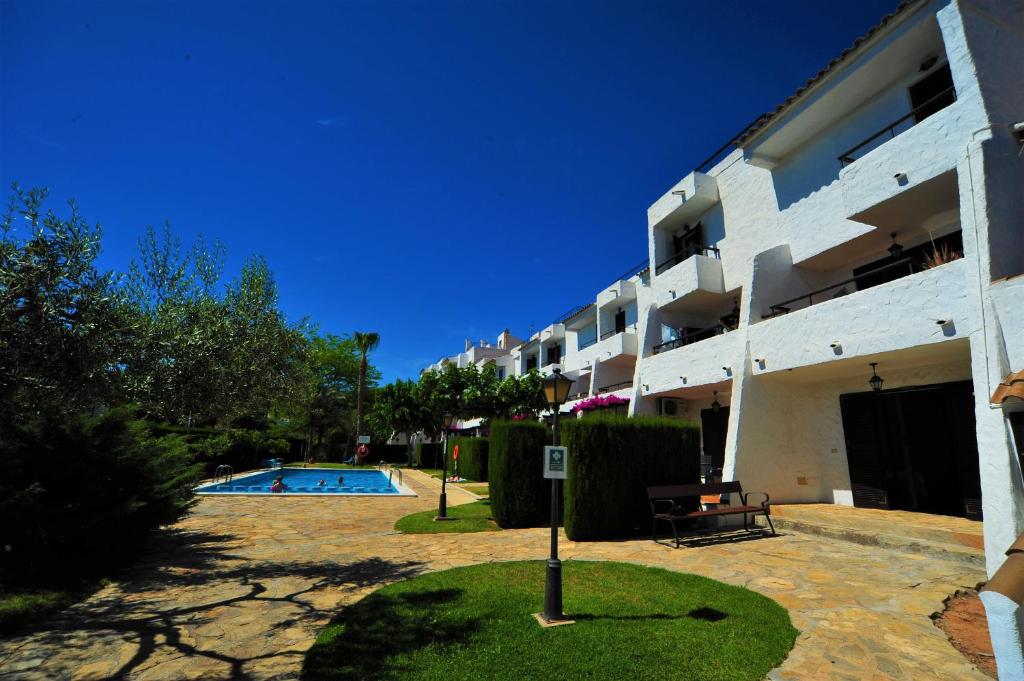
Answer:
(428, 455)
(612, 460)
(472, 457)
(520, 496)
(241, 449)
(79, 493)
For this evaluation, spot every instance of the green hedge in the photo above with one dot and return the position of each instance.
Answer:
(520, 496)
(428, 455)
(612, 460)
(473, 452)
(79, 494)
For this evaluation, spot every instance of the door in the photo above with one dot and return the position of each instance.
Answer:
(713, 428)
(932, 93)
(914, 449)
(620, 321)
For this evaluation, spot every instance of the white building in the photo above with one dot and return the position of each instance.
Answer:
(796, 258)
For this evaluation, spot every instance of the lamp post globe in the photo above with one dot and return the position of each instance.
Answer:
(556, 392)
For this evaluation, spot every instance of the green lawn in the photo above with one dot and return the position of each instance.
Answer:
(632, 623)
(480, 490)
(437, 473)
(21, 609)
(474, 517)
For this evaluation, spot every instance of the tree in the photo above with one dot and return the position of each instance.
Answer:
(367, 342)
(62, 323)
(396, 409)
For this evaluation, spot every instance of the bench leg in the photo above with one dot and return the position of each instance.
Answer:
(768, 517)
(745, 527)
(675, 533)
(654, 530)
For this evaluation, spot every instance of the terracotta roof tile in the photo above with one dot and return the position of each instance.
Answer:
(1011, 387)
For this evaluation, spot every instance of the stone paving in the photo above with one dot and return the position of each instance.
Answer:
(241, 587)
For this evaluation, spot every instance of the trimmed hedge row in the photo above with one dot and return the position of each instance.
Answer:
(520, 496)
(612, 460)
(473, 452)
(428, 455)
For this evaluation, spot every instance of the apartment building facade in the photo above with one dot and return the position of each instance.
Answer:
(837, 296)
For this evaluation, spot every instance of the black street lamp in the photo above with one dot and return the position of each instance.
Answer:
(556, 392)
(442, 507)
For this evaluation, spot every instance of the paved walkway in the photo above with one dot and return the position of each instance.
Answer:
(240, 588)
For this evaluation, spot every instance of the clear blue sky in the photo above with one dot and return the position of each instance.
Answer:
(428, 170)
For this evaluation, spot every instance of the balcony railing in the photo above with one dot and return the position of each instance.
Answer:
(586, 344)
(709, 251)
(614, 332)
(578, 395)
(909, 264)
(639, 269)
(847, 158)
(575, 312)
(615, 386)
(689, 338)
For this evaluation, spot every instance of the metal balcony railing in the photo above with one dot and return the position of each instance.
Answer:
(614, 332)
(586, 344)
(847, 158)
(575, 312)
(615, 386)
(709, 251)
(909, 264)
(689, 338)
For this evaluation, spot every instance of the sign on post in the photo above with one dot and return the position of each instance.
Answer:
(556, 460)
(363, 440)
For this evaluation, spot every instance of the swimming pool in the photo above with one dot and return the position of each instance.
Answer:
(307, 481)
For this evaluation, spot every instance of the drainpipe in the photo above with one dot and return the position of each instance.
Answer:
(1003, 597)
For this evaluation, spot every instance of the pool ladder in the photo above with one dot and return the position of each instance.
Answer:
(391, 471)
(224, 471)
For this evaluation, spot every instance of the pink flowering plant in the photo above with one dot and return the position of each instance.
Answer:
(598, 402)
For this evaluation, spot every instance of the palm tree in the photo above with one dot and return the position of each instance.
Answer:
(367, 343)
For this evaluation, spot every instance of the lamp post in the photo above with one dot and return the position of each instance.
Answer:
(442, 505)
(556, 391)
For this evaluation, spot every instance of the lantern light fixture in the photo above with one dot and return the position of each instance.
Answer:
(716, 405)
(896, 250)
(876, 381)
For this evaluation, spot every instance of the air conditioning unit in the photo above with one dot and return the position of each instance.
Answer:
(671, 406)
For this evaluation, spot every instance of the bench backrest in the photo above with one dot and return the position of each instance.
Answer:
(678, 491)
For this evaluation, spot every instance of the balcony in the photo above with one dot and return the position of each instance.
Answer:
(688, 281)
(691, 197)
(614, 387)
(920, 309)
(619, 293)
(704, 361)
(902, 124)
(688, 337)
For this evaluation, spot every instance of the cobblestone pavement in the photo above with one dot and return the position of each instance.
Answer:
(241, 587)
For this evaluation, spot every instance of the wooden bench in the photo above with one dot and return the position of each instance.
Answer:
(666, 506)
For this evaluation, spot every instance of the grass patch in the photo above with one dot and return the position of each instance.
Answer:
(481, 490)
(474, 517)
(19, 610)
(437, 473)
(476, 622)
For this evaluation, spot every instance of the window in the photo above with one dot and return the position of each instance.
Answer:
(932, 93)
(501, 373)
(531, 362)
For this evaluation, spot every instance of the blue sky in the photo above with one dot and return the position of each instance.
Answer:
(428, 170)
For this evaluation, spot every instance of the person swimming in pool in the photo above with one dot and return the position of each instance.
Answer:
(278, 485)
(341, 481)
(322, 482)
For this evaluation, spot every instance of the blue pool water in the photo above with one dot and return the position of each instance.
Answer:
(306, 481)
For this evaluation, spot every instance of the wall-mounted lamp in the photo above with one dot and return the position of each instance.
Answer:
(896, 250)
(647, 387)
(715, 406)
(875, 381)
(837, 347)
(683, 379)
